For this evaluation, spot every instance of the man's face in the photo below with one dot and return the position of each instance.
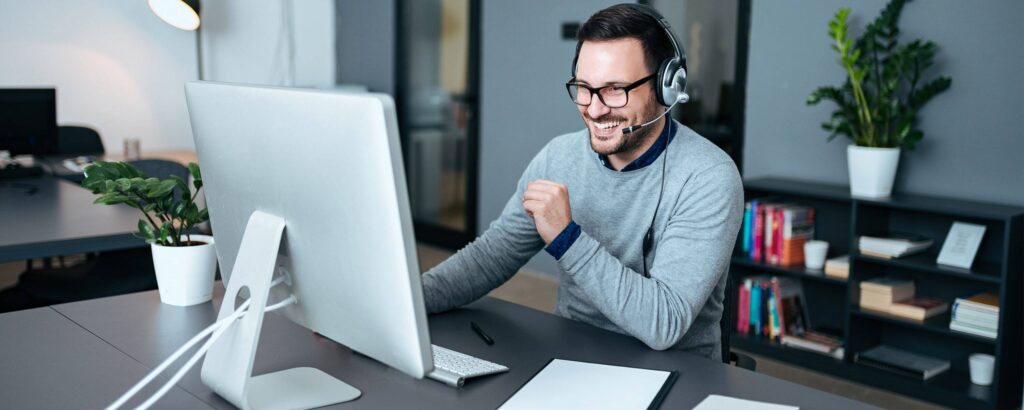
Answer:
(616, 62)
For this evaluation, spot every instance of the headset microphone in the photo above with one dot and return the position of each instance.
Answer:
(632, 128)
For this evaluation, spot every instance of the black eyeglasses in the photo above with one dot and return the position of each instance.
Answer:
(612, 96)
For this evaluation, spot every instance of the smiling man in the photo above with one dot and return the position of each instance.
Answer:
(640, 212)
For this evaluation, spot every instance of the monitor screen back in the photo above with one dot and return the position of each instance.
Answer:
(330, 164)
(28, 121)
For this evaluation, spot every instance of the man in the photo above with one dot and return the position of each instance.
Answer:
(589, 198)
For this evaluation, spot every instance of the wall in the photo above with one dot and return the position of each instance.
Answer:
(365, 44)
(973, 145)
(524, 64)
(116, 66)
(119, 69)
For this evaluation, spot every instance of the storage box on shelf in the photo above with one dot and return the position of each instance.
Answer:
(833, 302)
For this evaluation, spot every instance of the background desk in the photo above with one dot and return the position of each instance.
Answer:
(59, 218)
(147, 331)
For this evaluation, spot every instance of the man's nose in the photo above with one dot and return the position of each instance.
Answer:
(597, 108)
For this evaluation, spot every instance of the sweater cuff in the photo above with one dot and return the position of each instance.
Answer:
(564, 240)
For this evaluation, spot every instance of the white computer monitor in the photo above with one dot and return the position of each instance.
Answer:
(327, 168)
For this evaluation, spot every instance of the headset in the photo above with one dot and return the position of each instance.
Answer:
(670, 90)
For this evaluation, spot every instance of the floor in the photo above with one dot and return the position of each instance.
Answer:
(538, 292)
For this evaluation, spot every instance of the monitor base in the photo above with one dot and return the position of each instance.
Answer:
(298, 388)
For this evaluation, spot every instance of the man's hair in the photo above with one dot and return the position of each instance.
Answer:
(625, 21)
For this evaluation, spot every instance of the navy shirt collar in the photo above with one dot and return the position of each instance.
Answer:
(648, 158)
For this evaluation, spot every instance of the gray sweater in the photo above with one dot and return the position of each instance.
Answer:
(680, 305)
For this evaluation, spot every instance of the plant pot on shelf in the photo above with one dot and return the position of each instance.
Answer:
(184, 274)
(872, 170)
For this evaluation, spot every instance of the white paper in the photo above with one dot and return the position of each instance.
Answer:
(961, 245)
(566, 384)
(716, 402)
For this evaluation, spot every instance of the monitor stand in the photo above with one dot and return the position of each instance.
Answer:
(227, 368)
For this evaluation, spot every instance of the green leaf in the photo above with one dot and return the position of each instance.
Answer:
(165, 234)
(197, 176)
(111, 199)
(146, 231)
(161, 189)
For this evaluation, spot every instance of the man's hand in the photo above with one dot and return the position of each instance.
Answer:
(548, 204)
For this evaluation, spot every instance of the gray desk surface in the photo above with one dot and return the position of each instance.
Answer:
(49, 362)
(148, 331)
(60, 219)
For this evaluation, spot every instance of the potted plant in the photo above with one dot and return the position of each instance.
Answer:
(878, 103)
(185, 263)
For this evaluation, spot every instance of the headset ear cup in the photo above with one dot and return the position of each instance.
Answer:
(667, 89)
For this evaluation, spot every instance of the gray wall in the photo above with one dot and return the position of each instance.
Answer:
(974, 133)
(366, 44)
(524, 64)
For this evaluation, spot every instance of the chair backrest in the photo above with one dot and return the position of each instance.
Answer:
(728, 314)
(76, 140)
(161, 168)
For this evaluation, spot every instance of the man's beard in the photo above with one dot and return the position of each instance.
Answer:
(627, 143)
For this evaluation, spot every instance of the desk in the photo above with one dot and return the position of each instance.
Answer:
(60, 219)
(145, 330)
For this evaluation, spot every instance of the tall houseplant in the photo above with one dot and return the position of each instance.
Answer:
(185, 263)
(877, 105)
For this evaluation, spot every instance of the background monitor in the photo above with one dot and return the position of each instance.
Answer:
(330, 164)
(28, 121)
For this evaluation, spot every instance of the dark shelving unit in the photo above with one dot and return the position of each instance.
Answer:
(840, 219)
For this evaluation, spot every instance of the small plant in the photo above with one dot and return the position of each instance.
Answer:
(168, 217)
(884, 87)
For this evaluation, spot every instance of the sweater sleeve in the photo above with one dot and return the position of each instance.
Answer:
(691, 257)
(490, 260)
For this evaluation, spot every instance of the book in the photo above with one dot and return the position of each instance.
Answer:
(838, 267)
(893, 246)
(797, 228)
(822, 342)
(987, 301)
(903, 362)
(974, 330)
(919, 308)
(790, 306)
(748, 217)
(742, 308)
(889, 285)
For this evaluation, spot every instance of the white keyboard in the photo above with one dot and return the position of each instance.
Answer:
(453, 368)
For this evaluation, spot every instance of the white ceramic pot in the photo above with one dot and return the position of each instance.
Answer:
(872, 170)
(184, 274)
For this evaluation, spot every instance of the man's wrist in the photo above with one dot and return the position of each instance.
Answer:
(564, 240)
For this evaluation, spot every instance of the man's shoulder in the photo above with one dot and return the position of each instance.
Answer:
(696, 152)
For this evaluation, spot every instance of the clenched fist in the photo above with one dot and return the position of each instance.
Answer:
(548, 204)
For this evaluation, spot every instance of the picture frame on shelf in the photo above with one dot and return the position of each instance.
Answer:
(961, 245)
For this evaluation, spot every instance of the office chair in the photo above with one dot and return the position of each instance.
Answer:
(108, 274)
(726, 325)
(73, 140)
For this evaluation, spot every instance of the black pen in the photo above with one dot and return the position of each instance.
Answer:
(480, 332)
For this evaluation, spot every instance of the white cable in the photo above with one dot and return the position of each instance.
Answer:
(202, 351)
(181, 350)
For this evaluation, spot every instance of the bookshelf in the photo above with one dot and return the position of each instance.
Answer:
(833, 303)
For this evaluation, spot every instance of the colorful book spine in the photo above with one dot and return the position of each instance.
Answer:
(755, 309)
(747, 219)
(743, 309)
(758, 232)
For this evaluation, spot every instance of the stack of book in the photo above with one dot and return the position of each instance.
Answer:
(775, 232)
(977, 315)
(838, 267)
(902, 362)
(821, 341)
(893, 246)
(880, 293)
(919, 309)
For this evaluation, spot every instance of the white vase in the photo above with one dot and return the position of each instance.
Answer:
(872, 170)
(184, 274)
